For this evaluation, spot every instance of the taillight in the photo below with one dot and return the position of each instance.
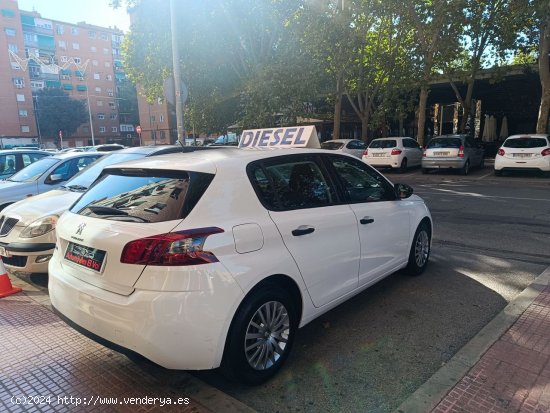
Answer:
(366, 153)
(173, 248)
(424, 152)
(545, 152)
(396, 151)
(501, 152)
(461, 151)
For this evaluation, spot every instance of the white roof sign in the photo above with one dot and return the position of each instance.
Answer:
(291, 137)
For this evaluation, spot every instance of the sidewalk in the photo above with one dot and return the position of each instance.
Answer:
(46, 366)
(504, 368)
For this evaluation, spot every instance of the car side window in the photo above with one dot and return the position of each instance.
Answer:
(7, 164)
(361, 183)
(292, 183)
(357, 145)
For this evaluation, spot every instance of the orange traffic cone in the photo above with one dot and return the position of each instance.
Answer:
(5, 284)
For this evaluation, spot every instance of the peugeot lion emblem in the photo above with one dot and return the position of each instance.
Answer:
(80, 228)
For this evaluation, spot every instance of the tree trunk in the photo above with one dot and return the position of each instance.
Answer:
(365, 128)
(400, 126)
(466, 105)
(337, 109)
(544, 73)
(422, 114)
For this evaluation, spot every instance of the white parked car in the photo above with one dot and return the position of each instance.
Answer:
(216, 258)
(27, 236)
(354, 147)
(523, 152)
(43, 175)
(395, 153)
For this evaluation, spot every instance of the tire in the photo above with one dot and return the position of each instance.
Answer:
(403, 167)
(498, 173)
(465, 169)
(269, 303)
(425, 170)
(420, 250)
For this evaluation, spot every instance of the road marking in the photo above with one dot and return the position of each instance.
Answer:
(474, 195)
(485, 176)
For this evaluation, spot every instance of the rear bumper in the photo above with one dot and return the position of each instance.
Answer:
(175, 329)
(507, 164)
(443, 163)
(391, 162)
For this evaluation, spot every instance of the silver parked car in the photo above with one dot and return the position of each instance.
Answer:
(44, 175)
(452, 152)
(354, 147)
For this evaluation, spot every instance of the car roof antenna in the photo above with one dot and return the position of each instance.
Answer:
(182, 145)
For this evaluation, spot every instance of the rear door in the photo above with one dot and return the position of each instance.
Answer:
(382, 219)
(318, 230)
(414, 153)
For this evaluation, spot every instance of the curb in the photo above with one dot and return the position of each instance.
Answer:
(427, 396)
(208, 396)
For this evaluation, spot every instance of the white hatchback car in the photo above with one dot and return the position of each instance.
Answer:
(523, 152)
(354, 147)
(396, 153)
(217, 257)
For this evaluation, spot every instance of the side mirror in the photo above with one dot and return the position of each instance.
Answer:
(55, 178)
(403, 191)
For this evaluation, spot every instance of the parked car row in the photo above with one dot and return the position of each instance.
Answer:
(452, 152)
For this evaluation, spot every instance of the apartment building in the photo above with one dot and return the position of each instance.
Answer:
(82, 59)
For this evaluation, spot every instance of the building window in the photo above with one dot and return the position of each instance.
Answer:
(91, 34)
(94, 63)
(98, 90)
(96, 76)
(23, 113)
(62, 44)
(112, 105)
(76, 46)
(99, 103)
(101, 116)
(159, 101)
(60, 29)
(9, 31)
(8, 13)
(77, 60)
(12, 48)
(112, 116)
(19, 82)
(107, 64)
(105, 51)
(30, 37)
(114, 129)
(25, 129)
(64, 59)
(152, 118)
(161, 118)
(104, 36)
(37, 84)
(85, 129)
(102, 129)
(74, 31)
(109, 77)
(20, 97)
(15, 66)
(93, 49)
(110, 92)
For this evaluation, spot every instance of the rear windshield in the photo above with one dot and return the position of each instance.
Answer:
(143, 196)
(383, 144)
(445, 143)
(525, 143)
(332, 145)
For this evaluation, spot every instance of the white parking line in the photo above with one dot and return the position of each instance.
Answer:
(474, 195)
(485, 176)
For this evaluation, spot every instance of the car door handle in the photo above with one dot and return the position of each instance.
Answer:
(366, 220)
(302, 230)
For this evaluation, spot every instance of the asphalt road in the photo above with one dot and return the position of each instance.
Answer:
(492, 238)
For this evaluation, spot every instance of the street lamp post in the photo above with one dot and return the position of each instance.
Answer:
(89, 109)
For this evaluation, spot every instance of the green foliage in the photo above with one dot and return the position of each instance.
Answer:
(57, 111)
(127, 102)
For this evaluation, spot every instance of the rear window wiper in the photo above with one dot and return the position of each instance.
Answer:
(104, 210)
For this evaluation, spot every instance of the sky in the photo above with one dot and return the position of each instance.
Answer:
(96, 12)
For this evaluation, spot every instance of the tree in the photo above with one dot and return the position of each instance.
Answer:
(127, 102)
(59, 112)
(490, 30)
(543, 23)
(437, 24)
